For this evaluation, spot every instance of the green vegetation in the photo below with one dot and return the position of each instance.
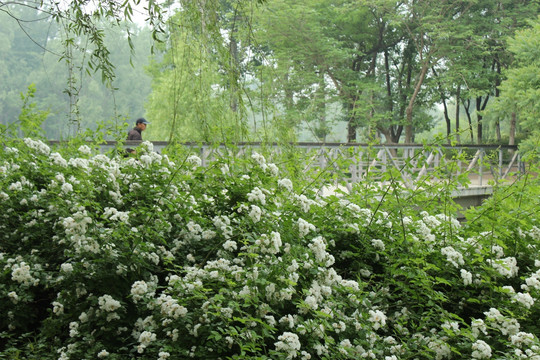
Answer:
(147, 255)
(278, 70)
(154, 256)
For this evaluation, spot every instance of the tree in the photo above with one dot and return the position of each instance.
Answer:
(520, 91)
(196, 90)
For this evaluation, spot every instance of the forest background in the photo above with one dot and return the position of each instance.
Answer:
(317, 70)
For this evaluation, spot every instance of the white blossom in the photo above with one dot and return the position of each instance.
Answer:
(285, 183)
(304, 227)
(37, 145)
(66, 267)
(103, 354)
(255, 213)
(506, 266)
(13, 297)
(194, 160)
(85, 149)
(524, 299)
(378, 244)
(289, 343)
(453, 256)
(466, 276)
(230, 245)
(256, 195)
(377, 318)
(107, 303)
(481, 350)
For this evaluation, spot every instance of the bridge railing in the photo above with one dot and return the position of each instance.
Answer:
(482, 163)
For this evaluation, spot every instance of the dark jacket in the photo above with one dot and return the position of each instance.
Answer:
(134, 134)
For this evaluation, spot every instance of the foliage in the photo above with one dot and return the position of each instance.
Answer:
(34, 59)
(155, 256)
(520, 91)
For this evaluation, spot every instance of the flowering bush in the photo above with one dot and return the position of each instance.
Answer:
(155, 257)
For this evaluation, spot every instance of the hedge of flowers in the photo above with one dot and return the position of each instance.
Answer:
(153, 256)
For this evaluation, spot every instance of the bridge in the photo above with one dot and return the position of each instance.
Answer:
(413, 165)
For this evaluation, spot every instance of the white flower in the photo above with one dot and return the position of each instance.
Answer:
(107, 303)
(255, 213)
(259, 159)
(524, 299)
(304, 227)
(285, 183)
(481, 350)
(318, 246)
(79, 163)
(194, 160)
(85, 149)
(311, 302)
(146, 338)
(451, 325)
(275, 240)
(21, 273)
(16, 186)
(289, 343)
(256, 195)
(57, 159)
(522, 338)
(145, 159)
(441, 349)
(13, 297)
(103, 354)
(83, 317)
(506, 267)
(66, 267)
(115, 215)
(37, 145)
(532, 282)
(138, 290)
(339, 327)
(170, 307)
(272, 169)
(452, 256)
(224, 169)
(378, 319)
(304, 202)
(58, 308)
(466, 276)
(230, 245)
(163, 355)
(477, 326)
(378, 244)
(73, 329)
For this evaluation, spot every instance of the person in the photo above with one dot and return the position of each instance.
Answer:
(136, 132)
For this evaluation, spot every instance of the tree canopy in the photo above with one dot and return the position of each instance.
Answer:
(325, 70)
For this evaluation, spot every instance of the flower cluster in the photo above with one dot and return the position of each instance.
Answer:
(161, 256)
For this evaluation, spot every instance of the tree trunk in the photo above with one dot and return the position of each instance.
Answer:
(445, 112)
(498, 129)
(480, 107)
(351, 124)
(447, 119)
(468, 113)
(512, 132)
(409, 110)
(497, 93)
(351, 130)
(458, 137)
(233, 77)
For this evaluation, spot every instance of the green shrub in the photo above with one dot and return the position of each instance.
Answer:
(156, 257)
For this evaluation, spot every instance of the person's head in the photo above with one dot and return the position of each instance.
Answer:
(141, 123)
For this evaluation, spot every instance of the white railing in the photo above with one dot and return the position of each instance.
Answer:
(482, 163)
